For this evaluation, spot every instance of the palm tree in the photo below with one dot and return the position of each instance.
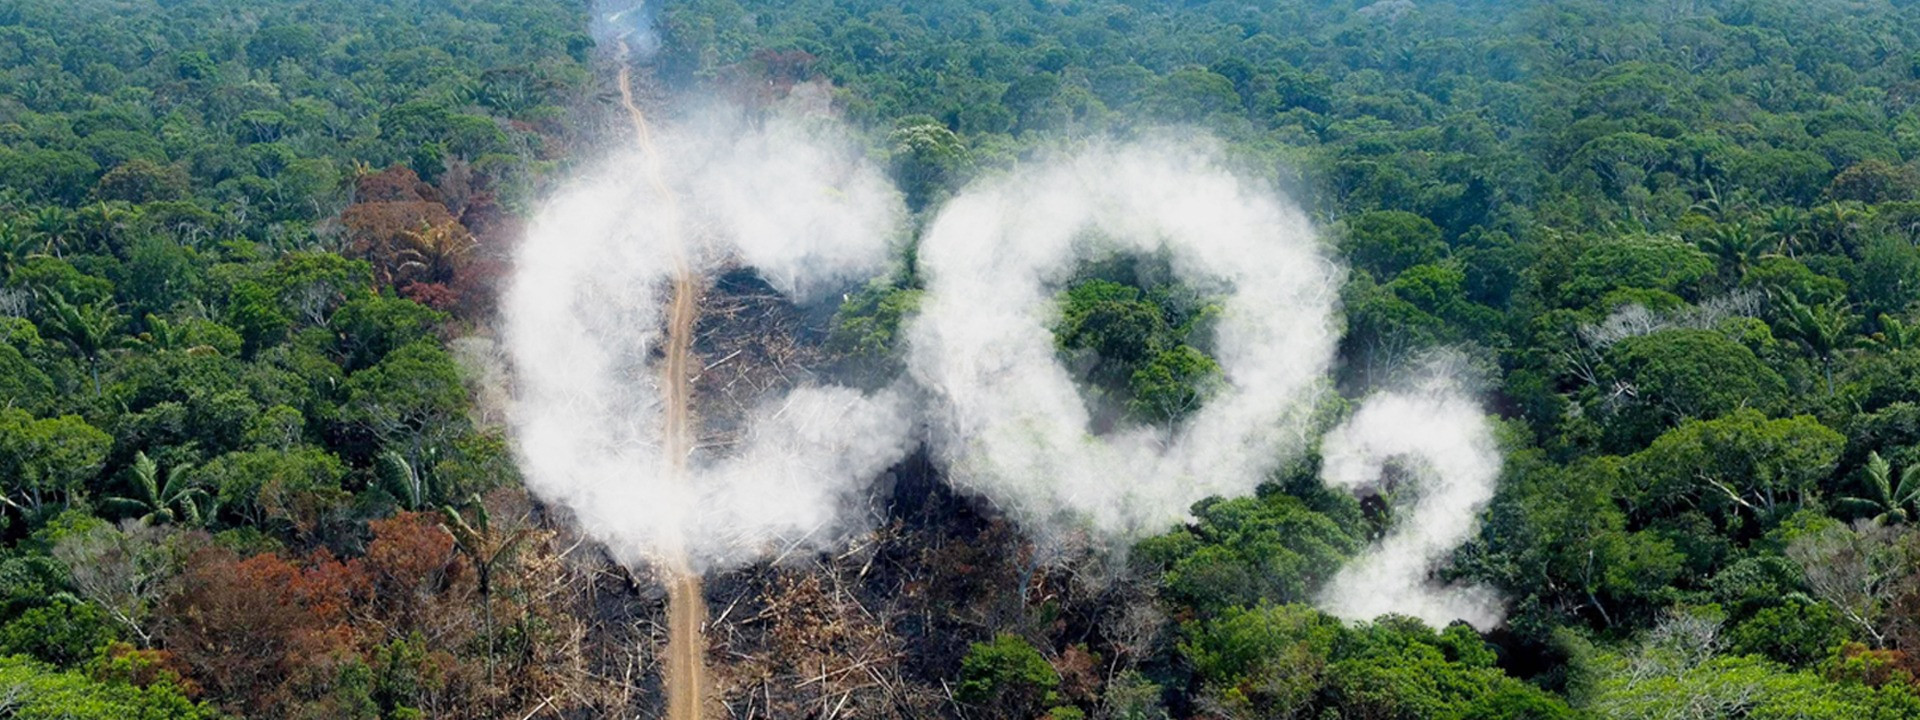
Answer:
(1891, 503)
(88, 328)
(433, 252)
(167, 501)
(1720, 207)
(1738, 246)
(1786, 226)
(16, 246)
(410, 486)
(1895, 335)
(160, 336)
(53, 226)
(1838, 222)
(1822, 328)
(486, 550)
(102, 223)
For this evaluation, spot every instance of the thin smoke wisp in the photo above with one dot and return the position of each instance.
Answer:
(630, 21)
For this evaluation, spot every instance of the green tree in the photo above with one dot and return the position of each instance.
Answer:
(1245, 551)
(1887, 276)
(1737, 246)
(1173, 384)
(47, 462)
(867, 326)
(1389, 241)
(18, 242)
(1624, 160)
(1825, 330)
(1263, 661)
(412, 487)
(1740, 461)
(1895, 335)
(22, 384)
(291, 40)
(1787, 175)
(1112, 322)
(1887, 501)
(266, 487)
(1007, 677)
(1192, 94)
(37, 692)
(52, 176)
(1875, 181)
(1598, 267)
(1680, 374)
(1397, 667)
(106, 225)
(140, 180)
(159, 502)
(55, 227)
(367, 328)
(66, 631)
(1799, 632)
(926, 159)
(91, 329)
(1558, 538)
(412, 400)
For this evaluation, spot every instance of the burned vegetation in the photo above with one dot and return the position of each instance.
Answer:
(753, 345)
(880, 627)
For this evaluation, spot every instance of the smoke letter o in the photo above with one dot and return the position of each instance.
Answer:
(1010, 423)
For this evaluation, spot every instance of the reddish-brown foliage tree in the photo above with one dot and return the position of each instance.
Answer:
(311, 636)
(419, 582)
(496, 231)
(1081, 674)
(398, 223)
(491, 224)
(433, 295)
(244, 626)
(394, 184)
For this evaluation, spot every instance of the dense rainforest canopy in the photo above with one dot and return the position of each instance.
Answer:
(252, 466)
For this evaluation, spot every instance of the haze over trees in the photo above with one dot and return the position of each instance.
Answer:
(249, 468)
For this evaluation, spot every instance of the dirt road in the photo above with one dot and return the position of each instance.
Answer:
(685, 680)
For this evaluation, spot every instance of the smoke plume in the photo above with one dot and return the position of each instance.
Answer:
(583, 319)
(1443, 439)
(631, 21)
(1008, 421)
(583, 323)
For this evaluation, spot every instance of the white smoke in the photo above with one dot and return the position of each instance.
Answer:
(1443, 437)
(792, 199)
(631, 21)
(1009, 422)
(582, 319)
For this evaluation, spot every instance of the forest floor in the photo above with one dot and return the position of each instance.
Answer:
(686, 603)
